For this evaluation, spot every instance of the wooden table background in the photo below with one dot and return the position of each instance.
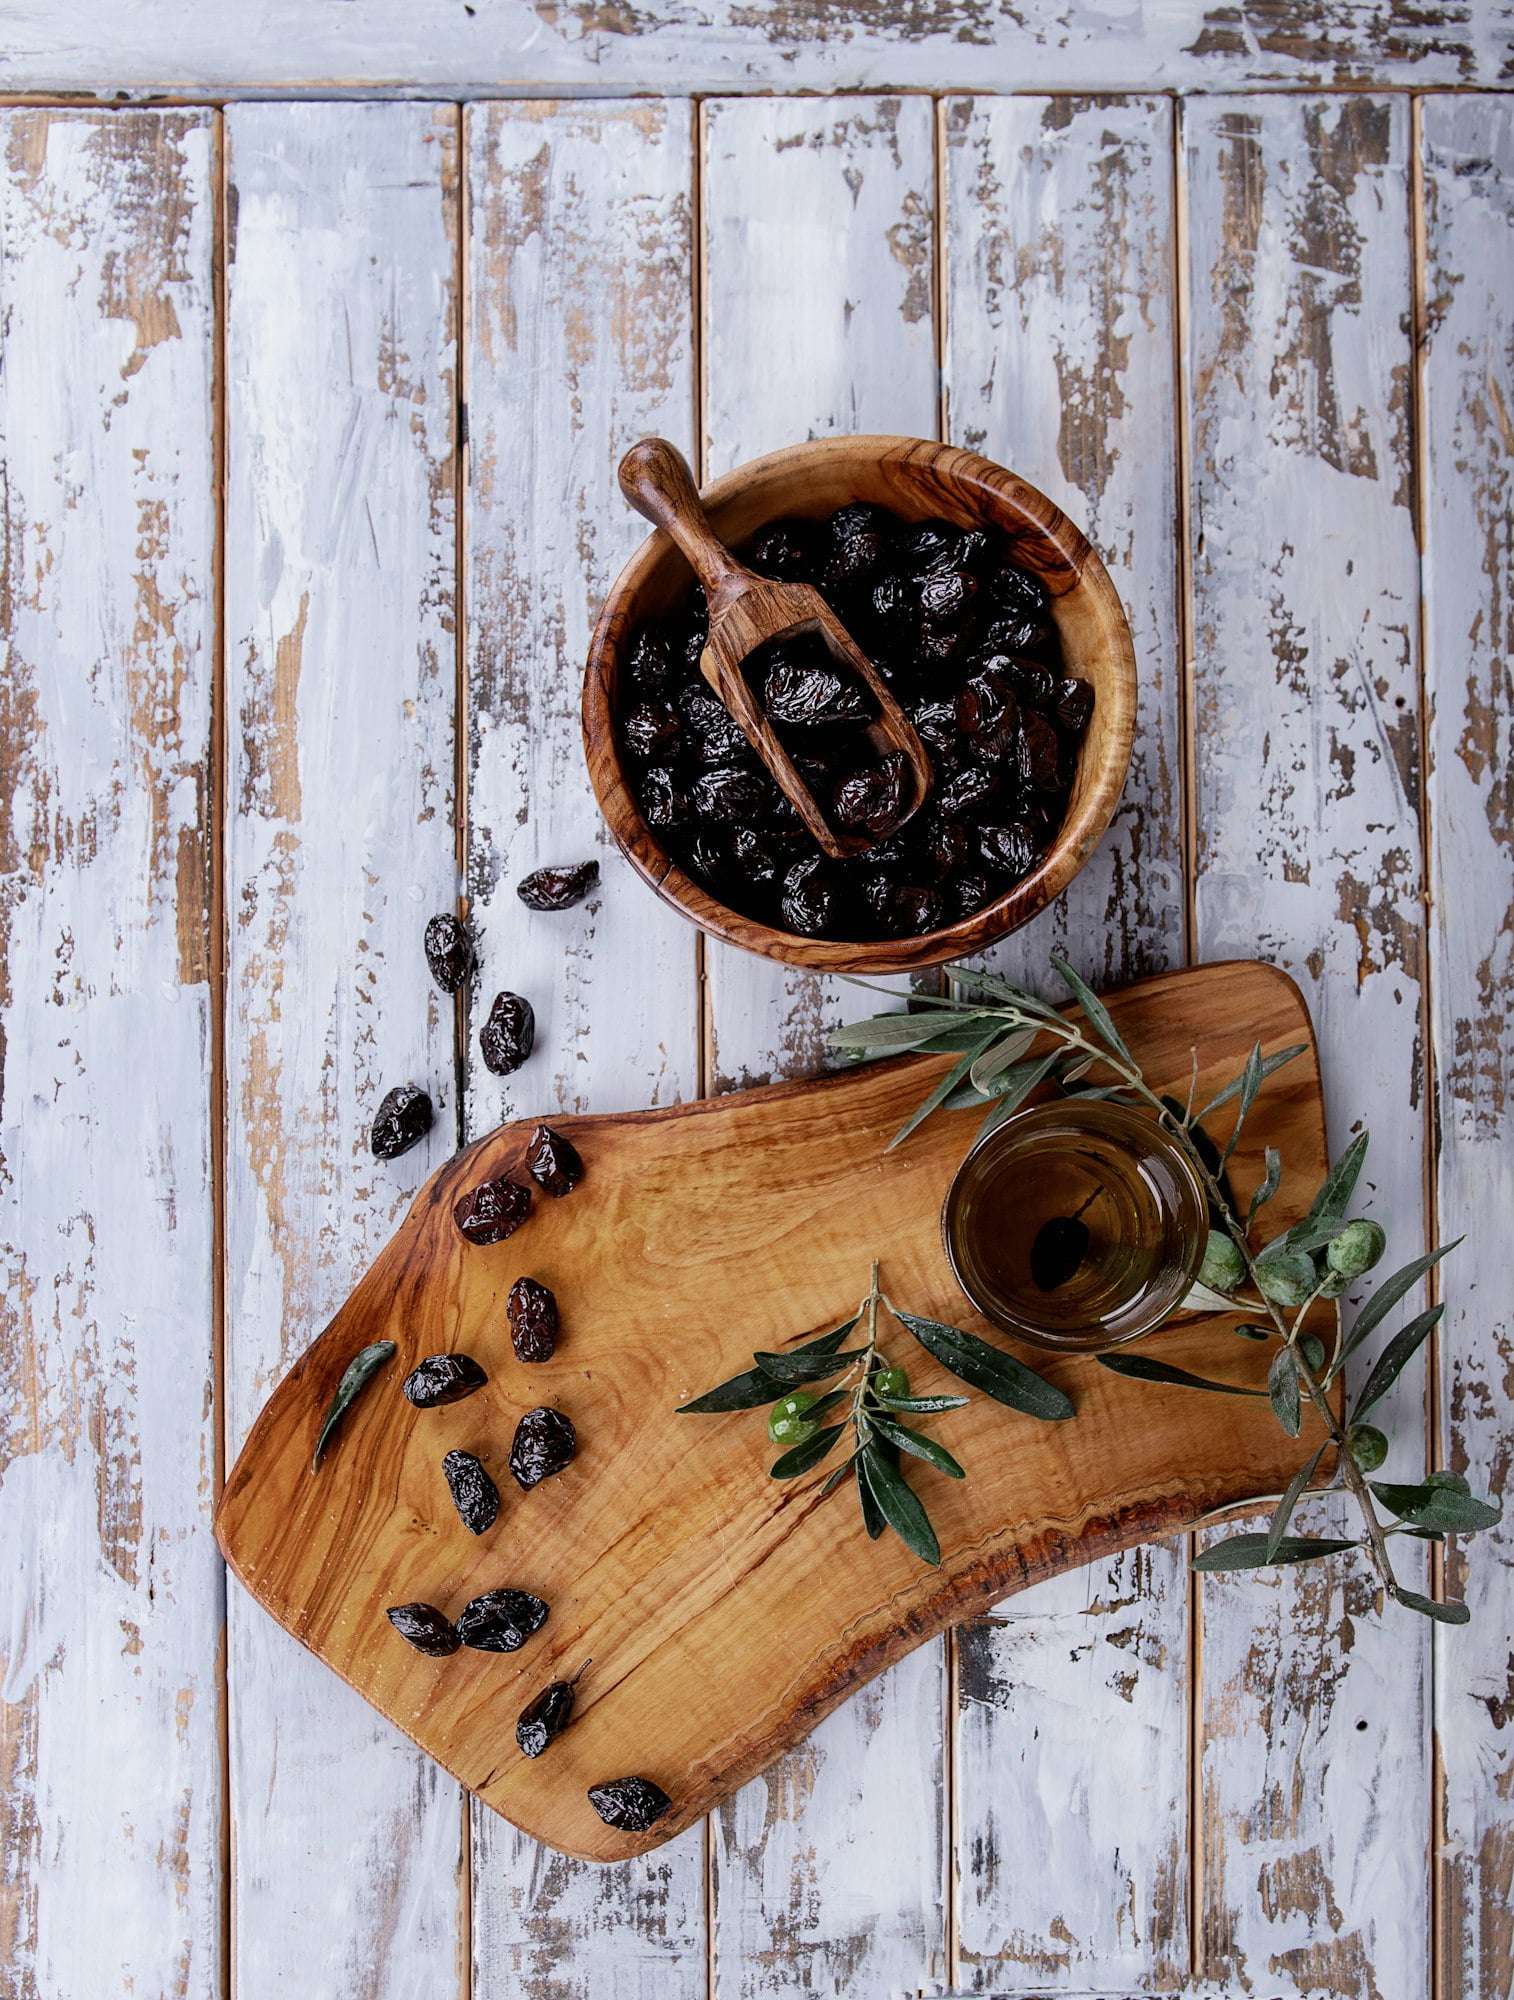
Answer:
(308, 417)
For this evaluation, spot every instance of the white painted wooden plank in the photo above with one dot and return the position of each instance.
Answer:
(1313, 1755)
(819, 220)
(580, 340)
(110, 1769)
(1469, 549)
(1072, 1718)
(603, 46)
(341, 679)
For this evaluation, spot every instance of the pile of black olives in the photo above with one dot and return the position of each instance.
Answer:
(964, 640)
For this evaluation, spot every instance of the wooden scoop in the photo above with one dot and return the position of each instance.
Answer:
(746, 611)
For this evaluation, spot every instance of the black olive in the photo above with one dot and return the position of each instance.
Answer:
(966, 790)
(425, 1628)
(856, 544)
(545, 1719)
(1011, 849)
(1073, 704)
(972, 892)
(651, 667)
(935, 723)
(809, 900)
(788, 550)
(544, 1443)
(401, 1121)
(442, 1378)
(812, 694)
(474, 1493)
(927, 545)
(663, 804)
(706, 858)
(632, 1804)
(947, 594)
(1012, 635)
(553, 1162)
(872, 801)
(753, 857)
(1040, 755)
(557, 888)
(505, 1040)
(653, 731)
(449, 951)
(534, 1322)
(718, 738)
(492, 1211)
(1015, 590)
(501, 1621)
(728, 796)
(988, 711)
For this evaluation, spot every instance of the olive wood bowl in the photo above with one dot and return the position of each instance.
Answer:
(917, 480)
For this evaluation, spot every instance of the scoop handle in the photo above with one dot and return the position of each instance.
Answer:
(655, 478)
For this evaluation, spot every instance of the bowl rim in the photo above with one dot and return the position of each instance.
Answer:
(1076, 839)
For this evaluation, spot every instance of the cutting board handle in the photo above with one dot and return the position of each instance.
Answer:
(655, 478)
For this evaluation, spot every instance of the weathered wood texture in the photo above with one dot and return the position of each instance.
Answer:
(1059, 359)
(340, 557)
(588, 46)
(819, 280)
(1468, 394)
(580, 339)
(1305, 623)
(110, 1779)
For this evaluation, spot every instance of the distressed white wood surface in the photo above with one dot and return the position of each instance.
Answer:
(1468, 395)
(597, 46)
(828, 1873)
(110, 1779)
(1314, 1765)
(1072, 1698)
(580, 340)
(341, 670)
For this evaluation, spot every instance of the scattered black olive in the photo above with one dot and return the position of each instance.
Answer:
(544, 1443)
(474, 1493)
(557, 889)
(632, 1804)
(501, 1621)
(492, 1211)
(443, 1378)
(545, 1719)
(449, 951)
(401, 1121)
(506, 1038)
(964, 639)
(553, 1163)
(425, 1628)
(534, 1320)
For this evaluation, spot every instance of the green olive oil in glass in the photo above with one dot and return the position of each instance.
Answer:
(1076, 1225)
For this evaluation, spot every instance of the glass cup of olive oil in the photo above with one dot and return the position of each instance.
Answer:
(1077, 1225)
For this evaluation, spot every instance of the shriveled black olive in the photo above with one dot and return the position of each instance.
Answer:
(788, 550)
(856, 544)
(501, 1621)
(442, 1378)
(728, 795)
(1072, 704)
(903, 909)
(972, 892)
(506, 1038)
(872, 801)
(553, 1162)
(938, 646)
(966, 790)
(557, 888)
(632, 1804)
(927, 545)
(663, 803)
(474, 1493)
(1041, 754)
(534, 1321)
(545, 1719)
(1012, 635)
(935, 723)
(754, 857)
(809, 900)
(1012, 849)
(653, 731)
(492, 1211)
(544, 1443)
(988, 711)
(651, 666)
(894, 601)
(945, 844)
(1016, 590)
(401, 1121)
(718, 738)
(425, 1628)
(706, 858)
(947, 594)
(812, 694)
(690, 641)
(449, 951)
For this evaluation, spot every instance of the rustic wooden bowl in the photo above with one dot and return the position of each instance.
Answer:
(919, 481)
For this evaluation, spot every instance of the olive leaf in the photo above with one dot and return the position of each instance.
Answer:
(1268, 1186)
(1006, 1049)
(1251, 1083)
(1277, 1527)
(1394, 1358)
(802, 1456)
(1449, 1613)
(899, 1505)
(1140, 1368)
(1335, 1191)
(919, 1446)
(754, 1387)
(1270, 1067)
(1437, 1506)
(960, 1069)
(922, 1406)
(1094, 1008)
(1388, 1294)
(801, 1366)
(1250, 1551)
(889, 1031)
(841, 1473)
(1013, 1087)
(356, 1376)
(988, 1368)
(1247, 1331)
(1283, 1388)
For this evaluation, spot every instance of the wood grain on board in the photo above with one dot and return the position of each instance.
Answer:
(1305, 623)
(1468, 396)
(1072, 1699)
(110, 1778)
(667, 1557)
(818, 317)
(340, 555)
(512, 47)
(580, 339)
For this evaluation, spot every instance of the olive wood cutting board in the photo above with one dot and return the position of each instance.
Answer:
(726, 1613)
